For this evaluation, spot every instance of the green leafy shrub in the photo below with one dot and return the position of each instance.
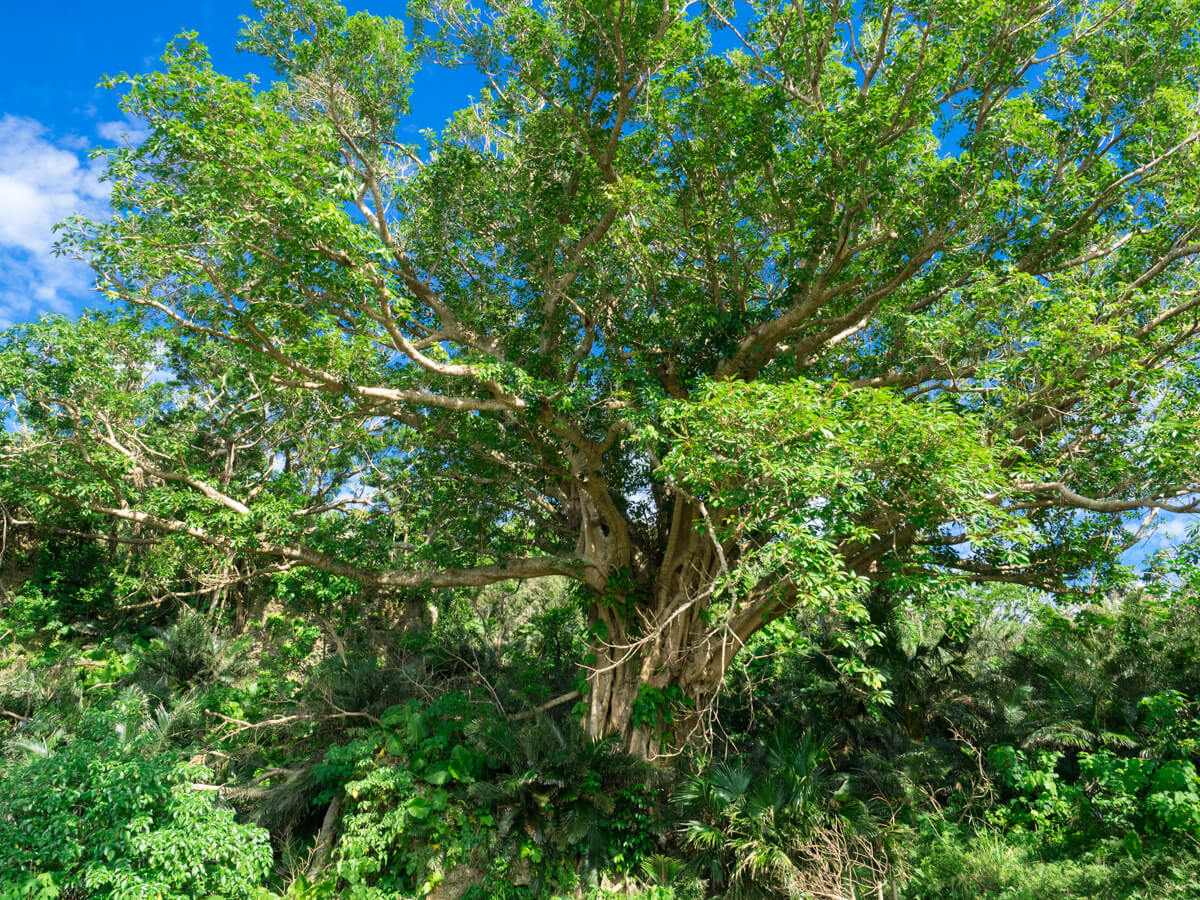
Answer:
(1040, 799)
(449, 791)
(117, 819)
(953, 862)
(1116, 788)
(1174, 802)
(69, 584)
(1114, 796)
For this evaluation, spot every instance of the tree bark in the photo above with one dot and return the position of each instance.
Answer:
(657, 661)
(324, 845)
(631, 689)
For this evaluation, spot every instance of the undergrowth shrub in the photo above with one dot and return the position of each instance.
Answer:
(778, 827)
(446, 790)
(103, 812)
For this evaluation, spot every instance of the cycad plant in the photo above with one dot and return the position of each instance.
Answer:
(557, 789)
(778, 829)
(191, 654)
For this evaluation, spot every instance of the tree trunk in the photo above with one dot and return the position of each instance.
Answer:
(613, 693)
(324, 844)
(655, 688)
(657, 661)
(658, 697)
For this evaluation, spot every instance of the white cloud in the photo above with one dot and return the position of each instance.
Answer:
(42, 181)
(1176, 527)
(125, 131)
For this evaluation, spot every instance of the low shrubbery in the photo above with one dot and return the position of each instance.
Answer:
(1002, 750)
(100, 808)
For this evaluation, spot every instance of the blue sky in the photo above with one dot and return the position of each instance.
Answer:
(52, 54)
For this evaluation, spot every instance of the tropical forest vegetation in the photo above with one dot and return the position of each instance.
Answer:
(751, 450)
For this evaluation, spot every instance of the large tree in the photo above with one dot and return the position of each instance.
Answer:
(715, 316)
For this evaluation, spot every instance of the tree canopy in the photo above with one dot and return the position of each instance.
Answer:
(713, 315)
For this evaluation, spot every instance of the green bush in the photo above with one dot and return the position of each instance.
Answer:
(101, 810)
(779, 829)
(955, 863)
(1134, 798)
(449, 791)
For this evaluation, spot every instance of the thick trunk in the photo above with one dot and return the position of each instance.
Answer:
(324, 844)
(652, 686)
(658, 661)
(654, 698)
(613, 693)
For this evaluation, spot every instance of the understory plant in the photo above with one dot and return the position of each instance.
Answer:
(779, 827)
(102, 809)
(447, 791)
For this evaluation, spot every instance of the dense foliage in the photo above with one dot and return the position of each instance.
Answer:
(104, 812)
(714, 310)
(702, 468)
(1012, 747)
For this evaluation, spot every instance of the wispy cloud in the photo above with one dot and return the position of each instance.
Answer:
(124, 131)
(43, 180)
(1177, 527)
